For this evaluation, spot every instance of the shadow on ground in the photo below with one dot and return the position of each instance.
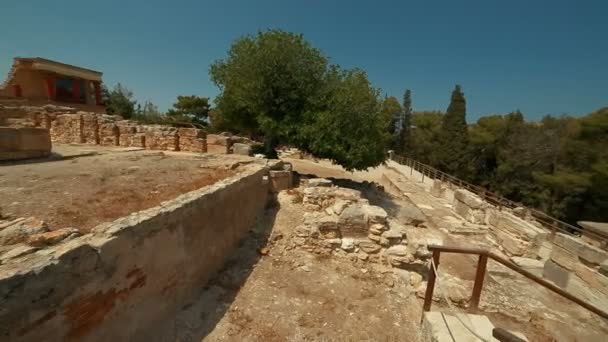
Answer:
(196, 319)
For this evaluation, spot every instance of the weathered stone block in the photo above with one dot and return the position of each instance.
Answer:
(280, 180)
(241, 149)
(353, 221)
(215, 139)
(470, 199)
(217, 149)
(557, 274)
(24, 142)
(533, 266)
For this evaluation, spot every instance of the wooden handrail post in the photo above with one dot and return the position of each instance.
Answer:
(430, 284)
(478, 286)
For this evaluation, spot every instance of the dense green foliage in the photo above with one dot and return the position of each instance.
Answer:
(191, 108)
(453, 136)
(349, 131)
(558, 165)
(276, 85)
(119, 101)
(391, 114)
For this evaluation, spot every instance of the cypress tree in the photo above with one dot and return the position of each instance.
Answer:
(404, 141)
(454, 137)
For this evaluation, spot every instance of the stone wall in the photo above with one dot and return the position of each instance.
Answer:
(568, 261)
(24, 142)
(127, 275)
(579, 268)
(112, 130)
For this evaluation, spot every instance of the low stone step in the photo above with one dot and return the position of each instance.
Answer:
(442, 327)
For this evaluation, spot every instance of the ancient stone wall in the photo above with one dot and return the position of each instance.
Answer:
(567, 260)
(112, 130)
(116, 282)
(580, 268)
(24, 142)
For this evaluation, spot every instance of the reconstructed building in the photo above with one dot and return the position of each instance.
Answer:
(39, 81)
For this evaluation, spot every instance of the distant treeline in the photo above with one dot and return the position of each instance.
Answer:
(558, 164)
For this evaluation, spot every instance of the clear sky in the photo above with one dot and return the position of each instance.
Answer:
(548, 56)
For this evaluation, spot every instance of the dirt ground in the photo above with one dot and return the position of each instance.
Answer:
(85, 190)
(294, 294)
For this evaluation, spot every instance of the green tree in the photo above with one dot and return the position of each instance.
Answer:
(351, 131)
(119, 101)
(267, 83)
(277, 85)
(403, 143)
(425, 131)
(454, 136)
(190, 109)
(390, 111)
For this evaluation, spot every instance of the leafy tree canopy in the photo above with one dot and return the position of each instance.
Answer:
(278, 85)
(190, 109)
(119, 101)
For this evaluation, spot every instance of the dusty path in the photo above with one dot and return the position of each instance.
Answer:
(291, 294)
(274, 291)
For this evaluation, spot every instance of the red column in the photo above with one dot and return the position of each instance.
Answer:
(50, 87)
(97, 85)
(76, 90)
(17, 90)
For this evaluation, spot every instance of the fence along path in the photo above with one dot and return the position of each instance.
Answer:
(551, 223)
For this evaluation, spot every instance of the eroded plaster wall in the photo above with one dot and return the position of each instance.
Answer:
(116, 282)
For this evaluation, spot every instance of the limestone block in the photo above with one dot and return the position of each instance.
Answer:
(52, 237)
(521, 229)
(109, 134)
(192, 140)
(369, 247)
(375, 214)
(470, 199)
(19, 230)
(442, 327)
(353, 221)
(346, 194)
(90, 129)
(564, 258)
(280, 180)
(557, 274)
(319, 182)
(511, 244)
(217, 149)
(24, 142)
(585, 252)
(215, 139)
(438, 189)
(533, 266)
(592, 254)
(604, 268)
(241, 149)
(591, 277)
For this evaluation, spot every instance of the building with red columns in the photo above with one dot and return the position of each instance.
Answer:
(39, 81)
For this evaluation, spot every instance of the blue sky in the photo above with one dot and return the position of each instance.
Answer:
(539, 56)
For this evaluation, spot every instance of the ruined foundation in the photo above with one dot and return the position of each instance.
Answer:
(125, 276)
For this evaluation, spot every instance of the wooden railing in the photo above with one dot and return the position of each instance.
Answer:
(480, 274)
(551, 223)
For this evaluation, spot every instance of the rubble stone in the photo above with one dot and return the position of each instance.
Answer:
(319, 182)
(353, 221)
(52, 237)
(348, 245)
(242, 149)
(369, 247)
(19, 230)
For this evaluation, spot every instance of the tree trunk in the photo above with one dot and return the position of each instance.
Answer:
(270, 144)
